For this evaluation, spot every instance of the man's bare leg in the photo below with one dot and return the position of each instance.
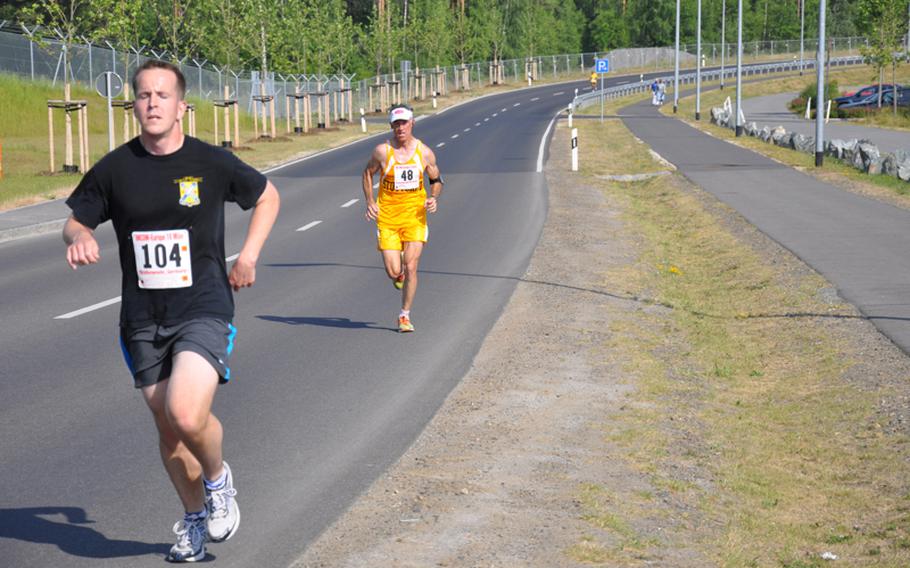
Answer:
(190, 436)
(412, 252)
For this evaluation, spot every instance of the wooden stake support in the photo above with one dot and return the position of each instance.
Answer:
(394, 92)
(81, 110)
(266, 101)
(225, 105)
(297, 96)
(322, 107)
(347, 96)
(127, 107)
(190, 116)
(375, 91)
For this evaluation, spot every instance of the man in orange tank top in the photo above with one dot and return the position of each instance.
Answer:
(400, 211)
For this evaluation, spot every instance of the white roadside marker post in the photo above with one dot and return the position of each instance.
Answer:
(571, 109)
(574, 149)
(363, 121)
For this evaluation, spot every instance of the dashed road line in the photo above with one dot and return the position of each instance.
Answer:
(112, 301)
(454, 136)
(91, 308)
(559, 93)
(486, 120)
(309, 226)
(535, 99)
(476, 124)
(441, 144)
(351, 202)
(467, 129)
(516, 105)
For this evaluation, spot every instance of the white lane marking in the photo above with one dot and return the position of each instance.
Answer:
(543, 142)
(351, 202)
(441, 144)
(486, 120)
(503, 110)
(91, 308)
(107, 303)
(535, 99)
(454, 136)
(517, 105)
(623, 82)
(467, 129)
(495, 114)
(476, 124)
(559, 93)
(309, 226)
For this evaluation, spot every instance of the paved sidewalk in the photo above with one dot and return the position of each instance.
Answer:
(858, 244)
(772, 111)
(37, 219)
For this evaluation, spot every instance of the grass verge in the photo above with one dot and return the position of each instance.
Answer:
(759, 435)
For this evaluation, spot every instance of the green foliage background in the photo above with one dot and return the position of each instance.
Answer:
(372, 36)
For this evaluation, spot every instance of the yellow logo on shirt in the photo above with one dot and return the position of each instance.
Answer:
(189, 191)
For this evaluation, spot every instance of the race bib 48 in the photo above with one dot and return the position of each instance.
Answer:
(407, 177)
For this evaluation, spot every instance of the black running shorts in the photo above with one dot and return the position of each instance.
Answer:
(149, 351)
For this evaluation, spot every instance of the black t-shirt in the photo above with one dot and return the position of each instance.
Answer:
(182, 193)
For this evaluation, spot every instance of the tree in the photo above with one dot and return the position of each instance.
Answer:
(885, 26)
(179, 26)
(608, 30)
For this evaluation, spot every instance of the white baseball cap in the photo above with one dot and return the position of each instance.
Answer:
(400, 113)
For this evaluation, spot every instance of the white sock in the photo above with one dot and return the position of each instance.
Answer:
(217, 483)
(405, 313)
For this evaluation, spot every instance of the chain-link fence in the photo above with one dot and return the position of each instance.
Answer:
(22, 53)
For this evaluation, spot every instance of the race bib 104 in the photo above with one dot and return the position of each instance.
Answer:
(407, 177)
(163, 259)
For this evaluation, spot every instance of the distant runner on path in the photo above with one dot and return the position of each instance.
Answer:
(401, 209)
(165, 193)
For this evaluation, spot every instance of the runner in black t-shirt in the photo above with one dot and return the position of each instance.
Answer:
(165, 194)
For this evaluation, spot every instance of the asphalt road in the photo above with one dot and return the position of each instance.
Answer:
(858, 244)
(325, 393)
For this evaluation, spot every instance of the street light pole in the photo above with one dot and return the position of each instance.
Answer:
(802, 35)
(820, 92)
(739, 67)
(723, 40)
(698, 66)
(676, 68)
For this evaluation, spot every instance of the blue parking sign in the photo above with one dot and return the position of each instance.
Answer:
(601, 65)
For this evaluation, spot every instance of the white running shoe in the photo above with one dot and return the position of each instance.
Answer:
(190, 545)
(223, 513)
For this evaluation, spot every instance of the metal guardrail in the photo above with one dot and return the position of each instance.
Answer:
(618, 91)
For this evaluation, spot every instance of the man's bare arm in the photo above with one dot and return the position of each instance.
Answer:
(373, 166)
(435, 180)
(243, 273)
(82, 248)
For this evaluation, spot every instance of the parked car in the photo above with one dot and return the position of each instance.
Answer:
(863, 94)
(871, 100)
